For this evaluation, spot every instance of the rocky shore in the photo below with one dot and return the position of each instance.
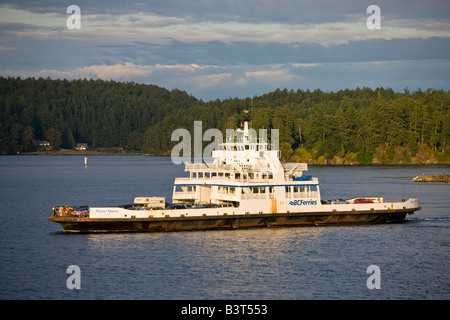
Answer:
(433, 178)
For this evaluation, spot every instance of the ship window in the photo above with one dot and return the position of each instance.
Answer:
(194, 174)
(220, 174)
(223, 190)
(214, 174)
(232, 190)
(200, 174)
(207, 174)
(255, 190)
(237, 176)
(288, 189)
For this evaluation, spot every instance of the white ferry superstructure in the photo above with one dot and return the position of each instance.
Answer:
(245, 186)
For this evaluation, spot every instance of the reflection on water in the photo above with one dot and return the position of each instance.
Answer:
(214, 264)
(266, 263)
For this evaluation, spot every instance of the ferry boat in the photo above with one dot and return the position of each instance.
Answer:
(245, 186)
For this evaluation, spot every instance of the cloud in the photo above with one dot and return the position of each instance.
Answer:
(250, 11)
(325, 22)
(126, 71)
(212, 82)
(270, 75)
(118, 71)
(231, 48)
(244, 52)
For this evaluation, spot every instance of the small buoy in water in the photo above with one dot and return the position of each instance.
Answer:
(85, 161)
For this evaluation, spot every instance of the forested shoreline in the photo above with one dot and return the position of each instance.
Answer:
(359, 126)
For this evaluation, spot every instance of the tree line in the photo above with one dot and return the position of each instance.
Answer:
(347, 126)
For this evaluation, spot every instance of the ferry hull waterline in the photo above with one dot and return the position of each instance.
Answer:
(246, 186)
(229, 222)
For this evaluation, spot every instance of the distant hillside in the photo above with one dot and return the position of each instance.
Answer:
(100, 113)
(360, 126)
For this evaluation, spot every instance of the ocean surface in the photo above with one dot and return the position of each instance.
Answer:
(269, 263)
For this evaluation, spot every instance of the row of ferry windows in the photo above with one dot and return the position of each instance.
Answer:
(259, 147)
(228, 175)
(289, 189)
(222, 189)
(297, 189)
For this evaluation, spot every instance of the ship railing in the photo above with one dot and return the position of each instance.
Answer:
(300, 195)
(292, 166)
(226, 196)
(187, 181)
(218, 180)
(203, 166)
(240, 140)
(254, 196)
(227, 167)
(184, 195)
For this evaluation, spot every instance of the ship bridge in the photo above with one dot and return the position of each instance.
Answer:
(244, 168)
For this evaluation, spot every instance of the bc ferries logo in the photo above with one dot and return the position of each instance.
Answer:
(303, 202)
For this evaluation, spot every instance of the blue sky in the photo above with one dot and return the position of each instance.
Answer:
(221, 49)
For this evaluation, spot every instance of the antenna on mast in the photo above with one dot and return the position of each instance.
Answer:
(251, 109)
(246, 115)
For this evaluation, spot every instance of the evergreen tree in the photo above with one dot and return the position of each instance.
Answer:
(364, 123)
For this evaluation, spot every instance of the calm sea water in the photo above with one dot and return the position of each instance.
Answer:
(268, 263)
